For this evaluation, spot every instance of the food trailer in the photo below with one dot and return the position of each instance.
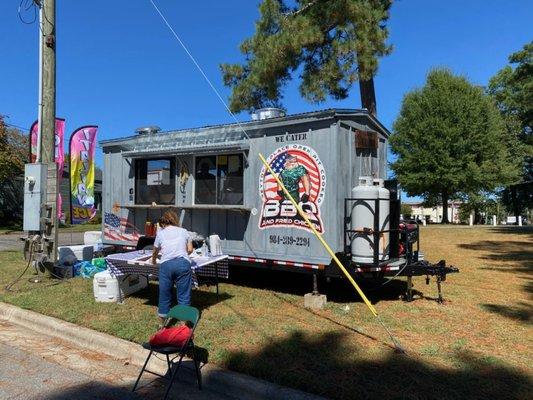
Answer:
(213, 177)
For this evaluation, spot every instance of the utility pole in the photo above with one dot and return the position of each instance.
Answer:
(41, 178)
(49, 82)
(47, 125)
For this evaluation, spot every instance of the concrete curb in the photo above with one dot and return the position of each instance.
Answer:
(215, 379)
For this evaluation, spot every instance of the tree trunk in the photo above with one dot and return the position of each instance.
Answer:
(515, 203)
(445, 207)
(368, 96)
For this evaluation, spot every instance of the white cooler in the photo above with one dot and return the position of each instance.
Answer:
(73, 254)
(107, 289)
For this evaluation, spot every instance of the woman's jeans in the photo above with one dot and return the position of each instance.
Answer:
(176, 271)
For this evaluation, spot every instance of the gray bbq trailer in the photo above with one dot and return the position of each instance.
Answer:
(333, 162)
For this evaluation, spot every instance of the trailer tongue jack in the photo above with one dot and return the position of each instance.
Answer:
(421, 268)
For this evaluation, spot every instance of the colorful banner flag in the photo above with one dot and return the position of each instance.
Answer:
(34, 141)
(59, 154)
(82, 147)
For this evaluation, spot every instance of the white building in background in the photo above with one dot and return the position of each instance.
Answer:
(434, 214)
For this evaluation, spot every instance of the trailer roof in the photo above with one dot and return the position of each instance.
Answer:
(229, 136)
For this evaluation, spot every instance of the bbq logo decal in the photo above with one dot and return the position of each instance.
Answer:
(302, 173)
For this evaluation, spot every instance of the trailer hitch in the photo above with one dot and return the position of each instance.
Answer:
(439, 270)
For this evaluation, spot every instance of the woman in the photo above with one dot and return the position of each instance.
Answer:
(174, 244)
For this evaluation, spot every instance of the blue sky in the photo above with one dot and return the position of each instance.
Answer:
(119, 67)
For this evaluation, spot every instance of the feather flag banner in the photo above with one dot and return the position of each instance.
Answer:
(82, 147)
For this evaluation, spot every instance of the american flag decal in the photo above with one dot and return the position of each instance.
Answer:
(278, 211)
(119, 229)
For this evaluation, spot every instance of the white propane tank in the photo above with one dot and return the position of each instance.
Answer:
(362, 216)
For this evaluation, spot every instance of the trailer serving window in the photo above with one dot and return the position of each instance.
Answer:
(155, 181)
(219, 179)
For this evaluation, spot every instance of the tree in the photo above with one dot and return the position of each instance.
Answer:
(512, 89)
(335, 42)
(13, 156)
(450, 139)
(482, 206)
(406, 210)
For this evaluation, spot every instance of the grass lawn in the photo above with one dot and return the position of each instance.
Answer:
(5, 229)
(71, 228)
(81, 228)
(478, 345)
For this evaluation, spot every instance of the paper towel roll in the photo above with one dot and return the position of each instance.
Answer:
(215, 245)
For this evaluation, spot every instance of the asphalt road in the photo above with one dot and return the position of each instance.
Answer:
(12, 241)
(35, 366)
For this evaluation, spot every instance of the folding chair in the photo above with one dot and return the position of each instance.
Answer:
(180, 313)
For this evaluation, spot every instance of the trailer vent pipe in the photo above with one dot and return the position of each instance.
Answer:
(268, 112)
(147, 130)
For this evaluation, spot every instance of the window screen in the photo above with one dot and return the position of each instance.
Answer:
(206, 180)
(219, 179)
(155, 181)
(230, 179)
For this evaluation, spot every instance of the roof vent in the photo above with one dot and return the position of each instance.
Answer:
(268, 112)
(147, 130)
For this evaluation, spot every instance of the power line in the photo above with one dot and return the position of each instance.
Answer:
(200, 69)
(16, 126)
(2, 117)
(27, 5)
(301, 10)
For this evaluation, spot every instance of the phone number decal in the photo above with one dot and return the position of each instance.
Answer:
(290, 240)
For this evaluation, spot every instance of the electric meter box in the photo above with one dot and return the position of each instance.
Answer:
(34, 195)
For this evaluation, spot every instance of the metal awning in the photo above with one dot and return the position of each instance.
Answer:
(150, 151)
(189, 207)
(189, 142)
